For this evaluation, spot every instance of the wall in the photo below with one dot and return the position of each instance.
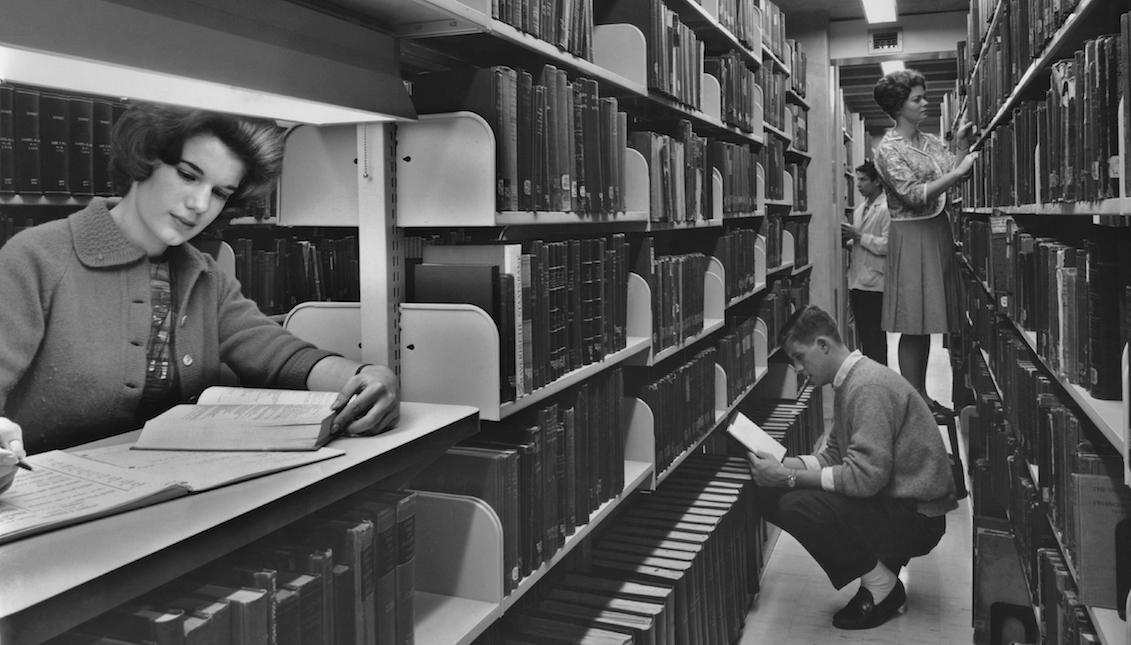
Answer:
(922, 33)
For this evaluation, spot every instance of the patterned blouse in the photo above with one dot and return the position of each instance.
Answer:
(906, 170)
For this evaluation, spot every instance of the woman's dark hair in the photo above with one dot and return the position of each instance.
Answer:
(892, 90)
(149, 134)
(868, 168)
(806, 324)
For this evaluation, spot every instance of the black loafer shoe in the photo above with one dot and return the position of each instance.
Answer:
(862, 613)
(940, 410)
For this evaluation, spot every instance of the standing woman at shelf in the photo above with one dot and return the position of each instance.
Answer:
(110, 318)
(921, 278)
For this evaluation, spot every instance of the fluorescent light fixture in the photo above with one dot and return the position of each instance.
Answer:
(889, 66)
(880, 11)
(107, 79)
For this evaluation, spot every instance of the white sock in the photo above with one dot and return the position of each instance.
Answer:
(879, 581)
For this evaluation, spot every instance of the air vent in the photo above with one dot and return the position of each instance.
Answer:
(885, 41)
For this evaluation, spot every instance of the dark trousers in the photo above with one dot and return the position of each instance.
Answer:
(847, 536)
(868, 309)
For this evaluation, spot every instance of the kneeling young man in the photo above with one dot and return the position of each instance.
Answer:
(878, 493)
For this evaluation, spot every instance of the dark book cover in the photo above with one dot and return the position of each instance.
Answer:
(310, 602)
(134, 622)
(527, 441)
(55, 143)
(287, 604)
(7, 139)
(404, 504)
(81, 164)
(102, 126)
(28, 150)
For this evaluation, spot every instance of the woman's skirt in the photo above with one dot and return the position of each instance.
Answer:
(921, 283)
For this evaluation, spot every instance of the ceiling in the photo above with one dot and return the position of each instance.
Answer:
(858, 77)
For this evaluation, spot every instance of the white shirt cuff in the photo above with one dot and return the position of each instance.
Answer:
(827, 480)
(811, 462)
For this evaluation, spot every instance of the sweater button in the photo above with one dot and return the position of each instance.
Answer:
(187, 360)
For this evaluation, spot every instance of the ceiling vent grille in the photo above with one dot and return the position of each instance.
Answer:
(885, 41)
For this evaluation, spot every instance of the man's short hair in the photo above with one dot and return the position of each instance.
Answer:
(868, 168)
(806, 324)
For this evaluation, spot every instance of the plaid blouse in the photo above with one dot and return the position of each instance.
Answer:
(160, 390)
(906, 169)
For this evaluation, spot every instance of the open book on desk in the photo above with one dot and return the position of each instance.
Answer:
(67, 488)
(239, 418)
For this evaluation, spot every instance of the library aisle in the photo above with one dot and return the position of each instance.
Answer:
(796, 603)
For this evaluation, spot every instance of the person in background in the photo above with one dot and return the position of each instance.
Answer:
(878, 493)
(110, 318)
(868, 236)
(920, 275)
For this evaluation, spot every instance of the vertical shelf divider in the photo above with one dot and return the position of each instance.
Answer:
(623, 50)
(716, 195)
(710, 97)
(458, 147)
(640, 435)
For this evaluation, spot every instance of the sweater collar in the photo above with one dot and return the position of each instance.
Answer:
(99, 243)
(846, 367)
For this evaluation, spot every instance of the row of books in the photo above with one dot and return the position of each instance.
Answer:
(1064, 618)
(560, 145)
(799, 228)
(772, 159)
(566, 24)
(799, 118)
(773, 31)
(738, 165)
(1007, 56)
(677, 283)
(739, 100)
(55, 143)
(281, 272)
(783, 296)
(773, 84)
(544, 472)
(799, 173)
(1074, 131)
(344, 575)
(737, 351)
(675, 52)
(12, 224)
(798, 68)
(682, 402)
(1079, 471)
(680, 567)
(797, 424)
(559, 305)
(1074, 297)
(735, 250)
(743, 19)
(1077, 494)
(679, 174)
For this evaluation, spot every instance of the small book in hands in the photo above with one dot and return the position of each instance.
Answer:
(754, 438)
(244, 419)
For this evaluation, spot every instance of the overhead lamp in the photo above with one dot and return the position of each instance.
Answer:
(889, 66)
(880, 11)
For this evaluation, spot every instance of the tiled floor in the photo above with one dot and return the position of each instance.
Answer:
(796, 604)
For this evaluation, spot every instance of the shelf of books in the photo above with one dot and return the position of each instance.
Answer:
(61, 578)
(1049, 536)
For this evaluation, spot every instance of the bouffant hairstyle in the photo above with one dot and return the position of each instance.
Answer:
(149, 134)
(806, 324)
(892, 90)
(868, 169)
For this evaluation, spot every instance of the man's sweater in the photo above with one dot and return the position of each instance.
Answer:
(885, 441)
(75, 321)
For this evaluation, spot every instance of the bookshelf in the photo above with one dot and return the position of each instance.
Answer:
(383, 181)
(1029, 186)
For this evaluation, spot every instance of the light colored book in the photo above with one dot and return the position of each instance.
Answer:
(754, 438)
(243, 419)
(66, 488)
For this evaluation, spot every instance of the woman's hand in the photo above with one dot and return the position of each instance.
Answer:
(369, 403)
(964, 166)
(963, 138)
(11, 451)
